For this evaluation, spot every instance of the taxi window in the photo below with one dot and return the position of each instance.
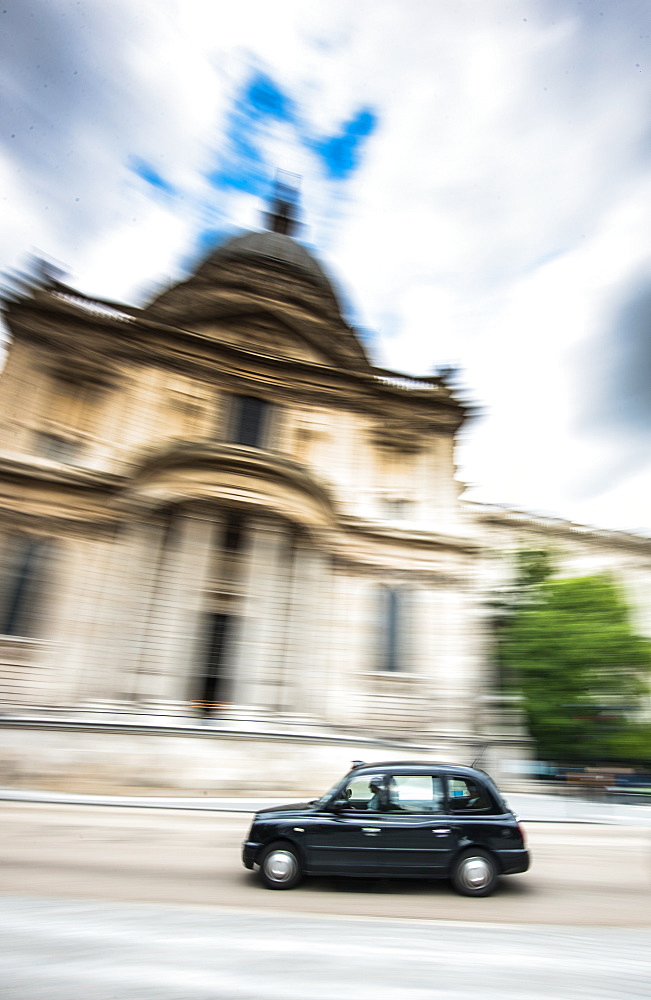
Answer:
(415, 793)
(365, 793)
(467, 796)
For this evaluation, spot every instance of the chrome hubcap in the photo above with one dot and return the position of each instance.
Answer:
(280, 866)
(475, 873)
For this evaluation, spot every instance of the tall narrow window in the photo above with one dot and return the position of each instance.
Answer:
(250, 421)
(390, 629)
(23, 587)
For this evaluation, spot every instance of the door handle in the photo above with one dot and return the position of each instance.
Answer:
(441, 831)
(371, 829)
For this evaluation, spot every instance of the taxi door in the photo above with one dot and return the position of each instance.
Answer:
(416, 837)
(345, 839)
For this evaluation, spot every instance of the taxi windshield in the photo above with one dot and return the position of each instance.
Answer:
(328, 794)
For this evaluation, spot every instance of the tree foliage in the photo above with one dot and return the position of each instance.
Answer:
(569, 647)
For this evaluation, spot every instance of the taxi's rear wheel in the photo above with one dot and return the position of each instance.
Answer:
(475, 873)
(280, 866)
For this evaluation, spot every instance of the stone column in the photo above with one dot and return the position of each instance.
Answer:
(114, 584)
(261, 635)
(76, 625)
(138, 556)
(305, 679)
(349, 633)
(102, 680)
(174, 634)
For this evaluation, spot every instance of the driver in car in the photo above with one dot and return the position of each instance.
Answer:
(378, 801)
(385, 796)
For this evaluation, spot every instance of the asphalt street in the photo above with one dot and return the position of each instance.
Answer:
(73, 950)
(582, 873)
(106, 901)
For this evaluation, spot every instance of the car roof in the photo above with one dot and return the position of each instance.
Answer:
(417, 766)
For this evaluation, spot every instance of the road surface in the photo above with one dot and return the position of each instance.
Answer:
(582, 874)
(153, 904)
(75, 950)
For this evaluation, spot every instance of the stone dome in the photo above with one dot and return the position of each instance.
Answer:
(275, 247)
(242, 261)
(263, 271)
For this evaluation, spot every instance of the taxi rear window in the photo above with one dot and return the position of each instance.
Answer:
(465, 795)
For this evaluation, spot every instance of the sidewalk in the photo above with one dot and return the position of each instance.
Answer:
(530, 808)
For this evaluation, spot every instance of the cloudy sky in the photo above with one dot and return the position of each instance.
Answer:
(475, 174)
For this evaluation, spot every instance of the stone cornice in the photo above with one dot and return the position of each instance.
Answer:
(259, 464)
(370, 389)
(83, 525)
(53, 473)
(222, 475)
(103, 341)
(410, 537)
(36, 496)
(554, 527)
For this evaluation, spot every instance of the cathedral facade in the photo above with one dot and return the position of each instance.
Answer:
(217, 502)
(217, 507)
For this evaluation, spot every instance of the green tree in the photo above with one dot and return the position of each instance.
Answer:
(531, 568)
(569, 647)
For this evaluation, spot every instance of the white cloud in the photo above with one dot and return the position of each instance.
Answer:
(499, 211)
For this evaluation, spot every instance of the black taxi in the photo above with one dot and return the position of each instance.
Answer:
(397, 819)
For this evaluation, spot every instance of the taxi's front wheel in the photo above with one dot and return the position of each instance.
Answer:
(280, 866)
(475, 873)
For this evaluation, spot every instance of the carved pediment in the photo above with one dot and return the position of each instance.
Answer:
(265, 334)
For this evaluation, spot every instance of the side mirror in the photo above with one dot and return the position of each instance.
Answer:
(338, 804)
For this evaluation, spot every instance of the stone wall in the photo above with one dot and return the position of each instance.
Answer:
(118, 758)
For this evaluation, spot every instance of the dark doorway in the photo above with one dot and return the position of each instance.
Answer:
(25, 577)
(211, 684)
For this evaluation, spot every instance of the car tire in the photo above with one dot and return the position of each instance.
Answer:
(280, 866)
(475, 873)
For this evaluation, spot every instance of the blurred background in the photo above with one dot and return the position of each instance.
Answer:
(325, 403)
(324, 436)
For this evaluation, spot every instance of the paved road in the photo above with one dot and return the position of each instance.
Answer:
(136, 904)
(582, 874)
(65, 950)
